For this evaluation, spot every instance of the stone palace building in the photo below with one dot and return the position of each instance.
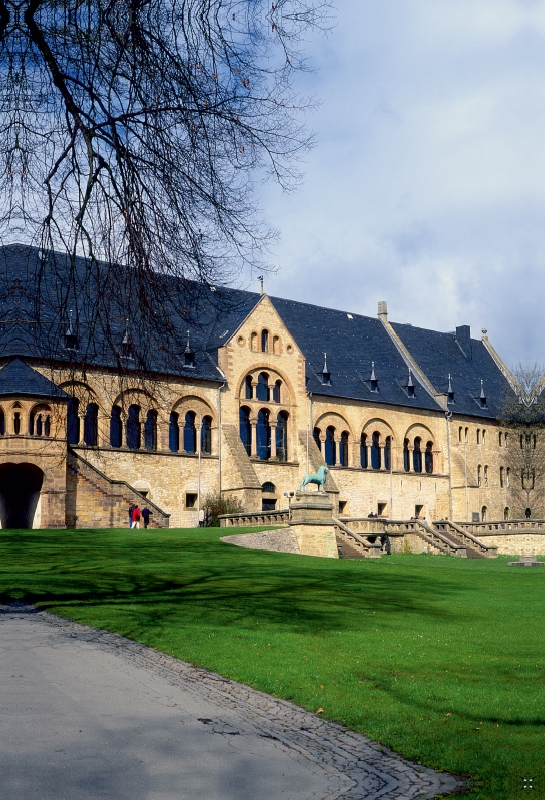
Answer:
(269, 389)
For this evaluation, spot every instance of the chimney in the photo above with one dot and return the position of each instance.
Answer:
(383, 310)
(463, 337)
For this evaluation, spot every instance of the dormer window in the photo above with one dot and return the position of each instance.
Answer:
(126, 344)
(450, 393)
(373, 379)
(410, 386)
(189, 355)
(70, 335)
(482, 397)
(326, 374)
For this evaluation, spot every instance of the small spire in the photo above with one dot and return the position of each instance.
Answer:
(126, 336)
(70, 335)
(482, 396)
(449, 390)
(260, 278)
(373, 376)
(187, 347)
(189, 355)
(410, 381)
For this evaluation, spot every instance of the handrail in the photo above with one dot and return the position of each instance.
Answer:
(249, 518)
(505, 525)
(472, 540)
(372, 549)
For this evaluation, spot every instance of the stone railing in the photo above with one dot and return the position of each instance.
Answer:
(368, 525)
(426, 532)
(466, 537)
(504, 526)
(366, 548)
(255, 518)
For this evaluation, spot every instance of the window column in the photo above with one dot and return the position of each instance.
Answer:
(253, 423)
(273, 440)
(383, 458)
(410, 448)
(81, 418)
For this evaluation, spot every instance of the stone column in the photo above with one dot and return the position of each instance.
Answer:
(411, 459)
(81, 418)
(253, 423)
(273, 442)
(382, 450)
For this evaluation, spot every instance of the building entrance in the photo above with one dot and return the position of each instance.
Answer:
(20, 486)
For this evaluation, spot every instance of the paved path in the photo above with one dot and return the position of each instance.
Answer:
(87, 714)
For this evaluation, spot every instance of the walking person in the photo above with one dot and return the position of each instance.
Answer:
(146, 514)
(201, 518)
(135, 517)
(131, 509)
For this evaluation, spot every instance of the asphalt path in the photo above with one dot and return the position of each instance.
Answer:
(79, 722)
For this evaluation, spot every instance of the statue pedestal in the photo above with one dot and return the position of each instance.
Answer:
(312, 524)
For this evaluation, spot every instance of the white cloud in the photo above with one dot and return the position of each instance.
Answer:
(427, 187)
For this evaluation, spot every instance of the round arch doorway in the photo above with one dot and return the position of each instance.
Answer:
(20, 486)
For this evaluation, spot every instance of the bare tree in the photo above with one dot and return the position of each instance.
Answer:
(523, 415)
(131, 134)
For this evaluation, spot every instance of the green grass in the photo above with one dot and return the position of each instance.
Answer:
(441, 659)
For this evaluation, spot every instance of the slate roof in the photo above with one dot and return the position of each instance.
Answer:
(440, 354)
(17, 378)
(32, 329)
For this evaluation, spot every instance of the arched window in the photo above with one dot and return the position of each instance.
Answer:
(460, 429)
(282, 436)
(132, 428)
(483, 514)
(406, 456)
(506, 512)
(528, 513)
(174, 433)
(249, 387)
(428, 459)
(72, 421)
(90, 425)
(276, 391)
(505, 440)
(276, 344)
(388, 453)
(484, 437)
(206, 436)
(330, 447)
(190, 433)
(500, 439)
(343, 449)
(116, 428)
(263, 433)
(364, 456)
(264, 341)
(245, 429)
(39, 422)
(502, 477)
(375, 450)
(478, 436)
(2, 422)
(17, 422)
(150, 430)
(262, 389)
(316, 433)
(268, 487)
(507, 477)
(479, 475)
(253, 341)
(486, 476)
(417, 455)
(466, 434)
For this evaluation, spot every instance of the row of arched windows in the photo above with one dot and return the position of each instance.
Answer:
(137, 432)
(262, 444)
(39, 421)
(480, 436)
(264, 342)
(262, 390)
(373, 455)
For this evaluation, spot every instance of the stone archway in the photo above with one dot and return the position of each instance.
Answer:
(20, 486)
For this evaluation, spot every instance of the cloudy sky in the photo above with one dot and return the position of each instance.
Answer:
(427, 185)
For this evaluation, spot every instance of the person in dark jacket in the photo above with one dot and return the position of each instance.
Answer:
(131, 509)
(146, 514)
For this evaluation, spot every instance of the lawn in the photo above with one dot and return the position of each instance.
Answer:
(442, 659)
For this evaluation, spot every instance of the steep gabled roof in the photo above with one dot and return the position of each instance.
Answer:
(352, 343)
(17, 378)
(440, 355)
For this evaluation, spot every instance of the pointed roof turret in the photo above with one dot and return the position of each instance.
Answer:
(189, 355)
(326, 374)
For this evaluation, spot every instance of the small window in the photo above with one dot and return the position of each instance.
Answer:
(500, 439)
(506, 512)
(262, 389)
(505, 440)
(507, 477)
(478, 436)
(419, 512)
(268, 504)
(342, 506)
(381, 509)
(484, 438)
(173, 433)
(191, 500)
(466, 434)
(132, 428)
(17, 423)
(364, 455)
(190, 433)
(316, 433)
(502, 477)
(330, 447)
(264, 341)
(2, 423)
(486, 476)
(90, 425)
(483, 513)
(343, 449)
(276, 345)
(253, 341)
(116, 428)
(429, 458)
(460, 431)
(479, 475)
(150, 430)
(417, 455)
(269, 487)
(406, 456)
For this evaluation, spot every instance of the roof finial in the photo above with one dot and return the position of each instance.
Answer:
(260, 278)
(483, 396)
(126, 338)
(326, 375)
(187, 347)
(373, 376)
(410, 381)
(449, 390)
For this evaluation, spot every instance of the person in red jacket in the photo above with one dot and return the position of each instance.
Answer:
(135, 517)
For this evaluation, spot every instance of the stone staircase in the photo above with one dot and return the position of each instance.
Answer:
(351, 545)
(93, 500)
